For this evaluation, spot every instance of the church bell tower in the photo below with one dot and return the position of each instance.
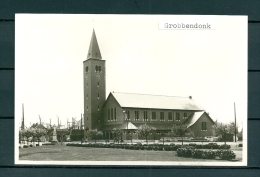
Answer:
(94, 86)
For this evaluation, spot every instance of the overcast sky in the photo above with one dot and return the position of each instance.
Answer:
(209, 65)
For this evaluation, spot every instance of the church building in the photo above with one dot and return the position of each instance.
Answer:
(127, 111)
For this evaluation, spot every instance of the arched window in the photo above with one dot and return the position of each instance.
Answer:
(86, 69)
(99, 68)
(96, 68)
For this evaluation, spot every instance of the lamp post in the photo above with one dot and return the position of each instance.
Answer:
(126, 119)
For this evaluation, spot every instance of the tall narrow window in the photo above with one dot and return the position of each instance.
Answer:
(98, 96)
(115, 113)
(86, 69)
(96, 68)
(161, 116)
(177, 116)
(112, 114)
(98, 119)
(136, 115)
(128, 115)
(87, 108)
(98, 84)
(185, 115)
(99, 68)
(108, 114)
(204, 126)
(98, 108)
(153, 115)
(169, 116)
(145, 116)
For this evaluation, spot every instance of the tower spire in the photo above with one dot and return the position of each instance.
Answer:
(93, 51)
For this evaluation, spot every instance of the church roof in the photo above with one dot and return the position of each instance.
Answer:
(93, 51)
(193, 118)
(155, 101)
(130, 126)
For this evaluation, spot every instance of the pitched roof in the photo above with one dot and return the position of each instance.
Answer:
(157, 126)
(38, 126)
(130, 126)
(193, 118)
(155, 101)
(134, 126)
(93, 51)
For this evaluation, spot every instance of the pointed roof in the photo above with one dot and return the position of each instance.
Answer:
(93, 51)
(155, 101)
(193, 118)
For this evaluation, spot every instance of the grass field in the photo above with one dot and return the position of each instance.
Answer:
(68, 153)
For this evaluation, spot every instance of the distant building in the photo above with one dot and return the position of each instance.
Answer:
(127, 111)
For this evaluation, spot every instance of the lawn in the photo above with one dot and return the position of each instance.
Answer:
(69, 153)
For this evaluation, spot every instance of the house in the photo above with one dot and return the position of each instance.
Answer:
(127, 111)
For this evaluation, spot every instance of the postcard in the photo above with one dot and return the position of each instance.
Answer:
(161, 90)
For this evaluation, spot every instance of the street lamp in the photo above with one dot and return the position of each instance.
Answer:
(126, 119)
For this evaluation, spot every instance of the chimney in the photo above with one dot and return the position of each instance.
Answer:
(190, 97)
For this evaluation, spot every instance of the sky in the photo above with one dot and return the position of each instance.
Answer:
(209, 65)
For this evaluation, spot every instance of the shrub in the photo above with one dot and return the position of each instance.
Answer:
(167, 148)
(208, 154)
(192, 144)
(19, 147)
(224, 146)
(198, 146)
(160, 148)
(225, 154)
(25, 146)
(155, 148)
(149, 148)
(37, 145)
(136, 147)
(184, 152)
(197, 153)
(31, 145)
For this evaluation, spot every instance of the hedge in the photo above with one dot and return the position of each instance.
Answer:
(223, 154)
(155, 147)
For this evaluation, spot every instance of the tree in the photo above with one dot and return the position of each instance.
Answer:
(222, 130)
(38, 133)
(117, 134)
(145, 130)
(26, 133)
(181, 131)
(94, 134)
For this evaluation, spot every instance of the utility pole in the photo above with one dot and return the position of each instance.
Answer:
(235, 122)
(81, 128)
(40, 119)
(22, 126)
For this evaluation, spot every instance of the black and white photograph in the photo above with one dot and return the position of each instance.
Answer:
(162, 90)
